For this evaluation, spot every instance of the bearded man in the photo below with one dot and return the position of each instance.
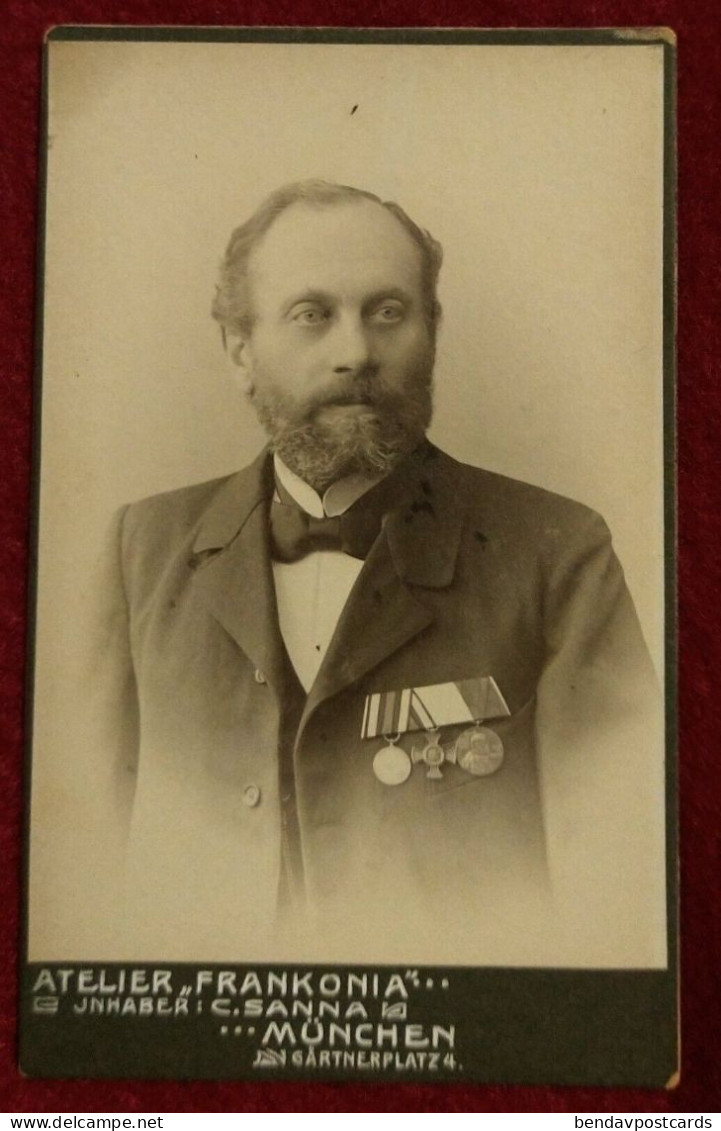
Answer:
(376, 705)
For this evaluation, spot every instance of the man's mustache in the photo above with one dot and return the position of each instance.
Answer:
(365, 391)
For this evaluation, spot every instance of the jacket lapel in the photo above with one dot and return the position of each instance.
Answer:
(416, 550)
(233, 573)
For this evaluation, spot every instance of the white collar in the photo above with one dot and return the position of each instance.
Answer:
(336, 499)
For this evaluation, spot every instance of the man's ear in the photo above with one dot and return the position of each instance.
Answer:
(238, 350)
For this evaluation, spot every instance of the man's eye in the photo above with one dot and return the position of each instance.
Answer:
(388, 312)
(310, 316)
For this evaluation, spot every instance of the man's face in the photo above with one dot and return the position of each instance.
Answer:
(340, 357)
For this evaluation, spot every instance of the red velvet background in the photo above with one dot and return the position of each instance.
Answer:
(22, 25)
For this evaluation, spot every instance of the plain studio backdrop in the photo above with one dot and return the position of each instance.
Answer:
(540, 170)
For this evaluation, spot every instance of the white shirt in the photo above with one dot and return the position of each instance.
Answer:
(312, 592)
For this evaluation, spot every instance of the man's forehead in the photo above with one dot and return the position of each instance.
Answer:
(360, 235)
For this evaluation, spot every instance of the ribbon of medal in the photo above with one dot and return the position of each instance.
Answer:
(477, 750)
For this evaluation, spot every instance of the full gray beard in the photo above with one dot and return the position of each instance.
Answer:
(370, 443)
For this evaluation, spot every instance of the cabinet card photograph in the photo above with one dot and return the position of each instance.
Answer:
(351, 746)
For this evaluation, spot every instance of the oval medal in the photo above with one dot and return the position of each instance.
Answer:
(479, 751)
(391, 765)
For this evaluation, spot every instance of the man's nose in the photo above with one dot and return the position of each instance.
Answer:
(353, 347)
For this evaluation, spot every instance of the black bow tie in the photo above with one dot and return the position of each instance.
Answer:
(293, 533)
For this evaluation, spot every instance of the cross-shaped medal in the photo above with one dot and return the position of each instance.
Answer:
(433, 753)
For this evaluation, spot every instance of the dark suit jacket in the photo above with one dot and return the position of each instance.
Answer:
(223, 759)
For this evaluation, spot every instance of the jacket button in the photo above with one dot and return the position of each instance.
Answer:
(259, 677)
(251, 796)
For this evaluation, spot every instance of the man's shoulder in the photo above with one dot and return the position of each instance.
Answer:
(181, 503)
(216, 505)
(492, 496)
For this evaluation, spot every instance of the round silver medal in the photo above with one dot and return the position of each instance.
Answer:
(479, 751)
(391, 765)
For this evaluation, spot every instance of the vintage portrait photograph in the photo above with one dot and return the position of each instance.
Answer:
(352, 520)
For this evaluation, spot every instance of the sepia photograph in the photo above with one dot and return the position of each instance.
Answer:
(352, 509)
